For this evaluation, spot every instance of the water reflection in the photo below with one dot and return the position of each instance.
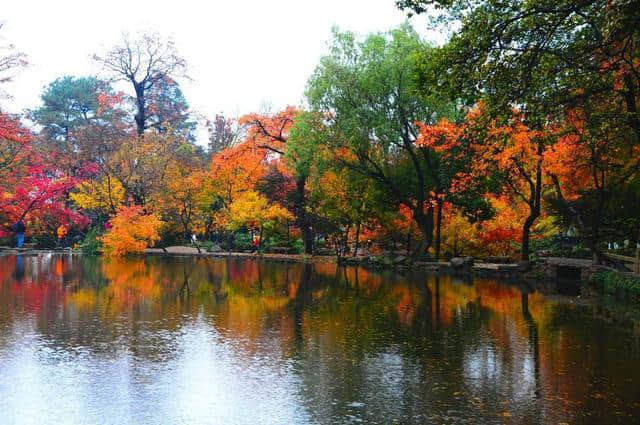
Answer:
(202, 340)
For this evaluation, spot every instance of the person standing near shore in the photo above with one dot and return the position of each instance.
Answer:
(19, 229)
(62, 234)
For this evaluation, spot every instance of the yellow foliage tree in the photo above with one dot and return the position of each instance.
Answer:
(132, 231)
(459, 235)
(106, 194)
(185, 200)
(252, 209)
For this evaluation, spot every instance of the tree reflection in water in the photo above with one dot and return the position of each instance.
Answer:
(311, 343)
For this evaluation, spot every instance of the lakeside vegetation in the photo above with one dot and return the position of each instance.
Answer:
(521, 129)
(622, 286)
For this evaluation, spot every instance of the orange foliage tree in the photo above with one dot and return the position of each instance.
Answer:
(131, 231)
(593, 165)
(271, 133)
(513, 153)
(233, 172)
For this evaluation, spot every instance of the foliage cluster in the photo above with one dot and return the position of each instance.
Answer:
(613, 283)
(130, 231)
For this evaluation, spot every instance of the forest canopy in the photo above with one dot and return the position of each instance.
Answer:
(517, 137)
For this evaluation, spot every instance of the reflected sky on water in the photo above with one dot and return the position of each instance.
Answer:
(209, 341)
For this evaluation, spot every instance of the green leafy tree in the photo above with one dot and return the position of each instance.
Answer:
(69, 103)
(368, 94)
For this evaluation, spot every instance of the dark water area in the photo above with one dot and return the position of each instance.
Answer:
(215, 341)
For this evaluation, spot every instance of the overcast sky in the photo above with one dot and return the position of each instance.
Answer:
(242, 54)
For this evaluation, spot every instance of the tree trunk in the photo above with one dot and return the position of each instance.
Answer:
(230, 239)
(345, 242)
(357, 245)
(140, 116)
(534, 206)
(425, 224)
(438, 228)
(595, 226)
(526, 233)
(307, 239)
(302, 217)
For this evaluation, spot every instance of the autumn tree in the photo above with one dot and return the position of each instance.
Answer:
(460, 236)
(146, 62)
(237, 170)
(502, 233)
(32, 186)
(253, 211)
(104, 194)
(131, 231)
(185, 200)
(277, 185)
(456, 166)
(233, 171)
(271, 133)
(15, 144)
(142, 165)
(367, 91)
(345, 202)
(39, 197)
(595, 173)
(553, 59)
(510, 154)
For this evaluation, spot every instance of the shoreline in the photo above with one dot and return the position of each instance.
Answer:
(539, 270)
(556, 272)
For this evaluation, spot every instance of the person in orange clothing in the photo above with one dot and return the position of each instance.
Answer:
(62, 234)
(256, 244)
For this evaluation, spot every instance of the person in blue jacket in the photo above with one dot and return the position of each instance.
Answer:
(19, 228)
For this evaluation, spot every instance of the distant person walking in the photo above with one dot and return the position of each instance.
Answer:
(19, 228)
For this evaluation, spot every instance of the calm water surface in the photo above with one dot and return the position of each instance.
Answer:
(211, 341)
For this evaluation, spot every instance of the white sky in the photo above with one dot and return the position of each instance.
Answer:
(242, 54)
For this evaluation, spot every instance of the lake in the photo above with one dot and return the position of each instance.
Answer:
(171, 340)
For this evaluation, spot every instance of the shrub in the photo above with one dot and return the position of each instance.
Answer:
(557, 246)
(210, 246)
(298, 246)
(44, 240)
(243, 242)
(91, 244)
(131, 231)
(613, 283)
